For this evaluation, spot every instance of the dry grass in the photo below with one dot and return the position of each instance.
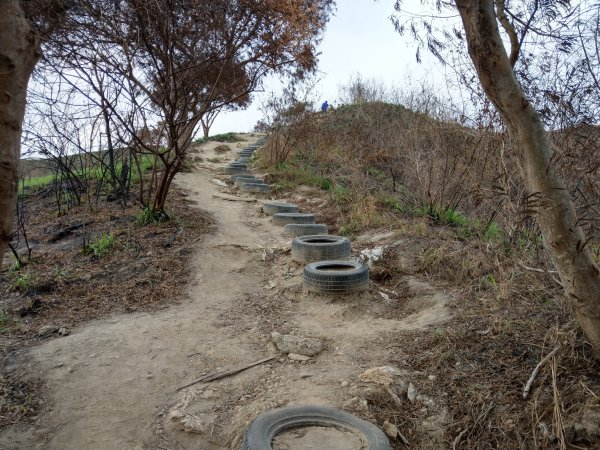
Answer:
(381, 164)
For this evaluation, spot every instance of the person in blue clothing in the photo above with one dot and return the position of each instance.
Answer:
(324, 106)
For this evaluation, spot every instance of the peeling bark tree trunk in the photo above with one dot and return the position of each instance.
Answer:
(19, 52)
(556, 214)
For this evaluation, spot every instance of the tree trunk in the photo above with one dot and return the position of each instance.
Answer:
(564, 240)
(205, 128)
(19, 52)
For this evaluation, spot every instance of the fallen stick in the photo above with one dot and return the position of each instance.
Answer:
(218, 375)
(234, 199)
(547, 272)
(527, 387)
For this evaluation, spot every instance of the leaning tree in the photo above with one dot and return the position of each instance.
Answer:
(511, 80)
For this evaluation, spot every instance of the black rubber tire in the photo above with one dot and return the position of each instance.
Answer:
(228, 170)
(307, 249)
(241, 180)
(236, 164)
(261, 432)
(271, 208)
(304, 229)
(281, 219)
(255, 187)
(336, 277)
(243, 175)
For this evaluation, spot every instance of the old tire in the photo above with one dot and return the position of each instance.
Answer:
(306, 249)
(261, 432)
(281, 219)
(228, 170)
(254, 187)
(304, 229)
(240, 180)
(243, 175)
(271, 208)
(336, 277)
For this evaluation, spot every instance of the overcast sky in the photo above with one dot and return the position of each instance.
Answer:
(360, 38)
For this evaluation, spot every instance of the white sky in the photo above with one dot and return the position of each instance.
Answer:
(360, 38)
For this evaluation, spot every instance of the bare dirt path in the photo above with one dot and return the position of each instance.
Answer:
(113, 383)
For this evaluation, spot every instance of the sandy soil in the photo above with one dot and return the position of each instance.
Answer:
(113, 383)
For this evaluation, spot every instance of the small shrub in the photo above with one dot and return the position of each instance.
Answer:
(23, 282)
(224, 137)
(216, 160)
(4, 321)
(149, 215)
(220, 149)
(101, 246)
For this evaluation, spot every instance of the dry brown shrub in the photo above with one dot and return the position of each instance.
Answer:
(220, 149)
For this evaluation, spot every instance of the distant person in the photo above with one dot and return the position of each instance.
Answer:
(324, 106)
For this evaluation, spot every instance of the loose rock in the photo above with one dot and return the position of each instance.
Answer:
(47, 330)
(297, 357)
(288, 343)
(390, 429)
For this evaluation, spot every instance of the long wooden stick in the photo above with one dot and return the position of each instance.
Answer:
(527, 387)
(218, 375)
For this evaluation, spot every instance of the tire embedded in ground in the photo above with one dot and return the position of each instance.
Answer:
(336, 277)
(255, 187)
(243, 175)
(261, 432)
(304, 229)
(228, 170)
(282, 219)
(271, 208)
(307, 249)
(239, 181)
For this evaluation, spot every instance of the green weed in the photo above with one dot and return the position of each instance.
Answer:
(4, 321)
(149, 215)
(23, 282)
(101, 246)
(216, 159)
(223, 137)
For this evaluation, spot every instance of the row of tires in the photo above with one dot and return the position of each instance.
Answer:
(239, 171)
(327, 270)
(328, 267)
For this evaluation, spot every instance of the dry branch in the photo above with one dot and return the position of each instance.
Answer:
(218, 375)
(527, 387)
(234, 199)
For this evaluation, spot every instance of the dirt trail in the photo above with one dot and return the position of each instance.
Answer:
(112, 383)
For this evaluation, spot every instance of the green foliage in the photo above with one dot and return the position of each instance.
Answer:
(341, 195)
(493, 232)
(149, 215)
(4, 321)
(349, 228)
(391, 202)
(23, 282)
(291, 176)
(224, 137)
(217, 159)
(100, 246)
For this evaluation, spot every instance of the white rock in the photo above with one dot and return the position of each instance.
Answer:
(297, 357)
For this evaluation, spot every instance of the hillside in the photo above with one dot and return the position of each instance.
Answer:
(463, 308)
